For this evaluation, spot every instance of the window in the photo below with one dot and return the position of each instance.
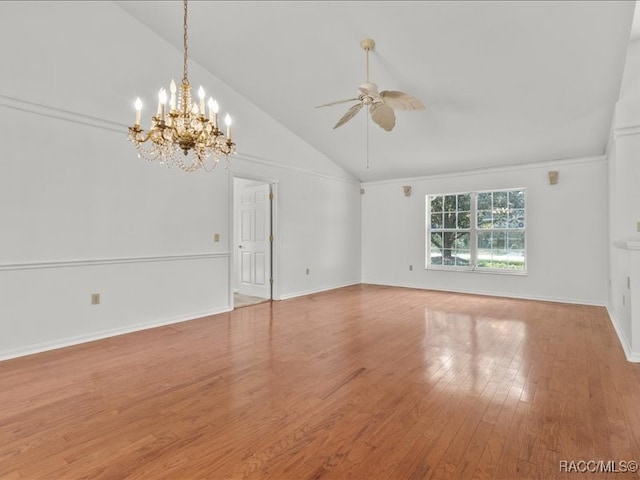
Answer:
(482, 231)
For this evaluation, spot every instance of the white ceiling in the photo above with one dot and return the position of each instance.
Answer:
(504, 83)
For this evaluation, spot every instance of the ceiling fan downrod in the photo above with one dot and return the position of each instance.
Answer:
(367, 44)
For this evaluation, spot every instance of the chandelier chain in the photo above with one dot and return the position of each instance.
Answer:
(185, 78)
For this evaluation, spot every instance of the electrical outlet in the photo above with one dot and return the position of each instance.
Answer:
(95, 299)
(411, 268)
(307, 271)
(216, 237)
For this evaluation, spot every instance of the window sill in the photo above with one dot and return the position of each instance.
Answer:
(518, 273)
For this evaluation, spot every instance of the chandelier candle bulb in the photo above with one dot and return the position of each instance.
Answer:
(162, 97)
(210, 104)
(172, 100)
(216, 108)
(159, 101)
(227, 120)
(138, 105)
(201, 96)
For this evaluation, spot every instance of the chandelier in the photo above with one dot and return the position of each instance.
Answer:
(183, 126)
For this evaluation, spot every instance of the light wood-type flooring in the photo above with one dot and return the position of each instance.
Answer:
(363, 382)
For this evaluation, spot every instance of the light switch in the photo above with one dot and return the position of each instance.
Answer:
(216, 237)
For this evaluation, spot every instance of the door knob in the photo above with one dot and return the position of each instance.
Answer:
(240, 246)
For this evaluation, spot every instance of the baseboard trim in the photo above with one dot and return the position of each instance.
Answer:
(573, 301)
(69, 342)
(626, 346)
(302, 293)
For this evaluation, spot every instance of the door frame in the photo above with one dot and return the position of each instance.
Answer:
(273, 188)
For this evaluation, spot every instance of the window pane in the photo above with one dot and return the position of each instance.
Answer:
(436, 220)
(448, 239)
(485, 219)
(436, 252)
(516, 219)
(516, 240)
(462, 258)
(436, 241)
(464, 220)
(516, 260)
(436, 203)
(448, 258)
(449, 220)
(499, 199)
(500, 219)
(463, 241)
(449, 203)
(516, 251)
(499, 243)
(464, 202)
(516, 199)
(484, 249)
(484, 201)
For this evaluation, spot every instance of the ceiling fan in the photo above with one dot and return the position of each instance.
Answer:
(381, 104)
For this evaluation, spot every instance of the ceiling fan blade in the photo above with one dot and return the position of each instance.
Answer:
(401, 100)
(349, 115)
(338, 102)
(383, 115)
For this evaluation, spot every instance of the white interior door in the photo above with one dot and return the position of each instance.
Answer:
(254, 258)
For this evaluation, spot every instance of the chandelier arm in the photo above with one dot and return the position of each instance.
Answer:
(138, 135)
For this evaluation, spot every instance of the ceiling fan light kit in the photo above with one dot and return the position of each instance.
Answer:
(382, 105)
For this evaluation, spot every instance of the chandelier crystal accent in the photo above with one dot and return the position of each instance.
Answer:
(183, 126)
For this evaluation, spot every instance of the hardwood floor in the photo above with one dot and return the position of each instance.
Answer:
(363, 382)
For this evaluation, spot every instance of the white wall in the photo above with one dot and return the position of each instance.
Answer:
(624, 212)
(81, 214)
(566, 233)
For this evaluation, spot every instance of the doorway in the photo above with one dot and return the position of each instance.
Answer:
(253, 241)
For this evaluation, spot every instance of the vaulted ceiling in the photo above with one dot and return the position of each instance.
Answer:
(505, 83)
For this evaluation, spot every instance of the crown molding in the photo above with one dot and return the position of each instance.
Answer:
(270, 163)
(625, 131)
(484, 171)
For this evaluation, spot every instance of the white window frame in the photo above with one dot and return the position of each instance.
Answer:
(473, 229)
